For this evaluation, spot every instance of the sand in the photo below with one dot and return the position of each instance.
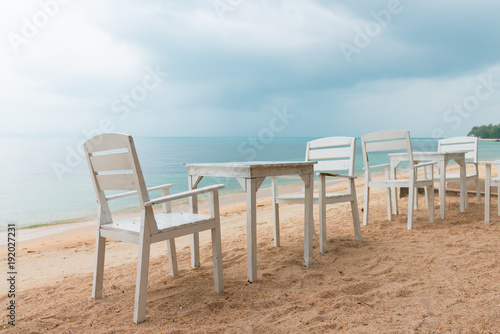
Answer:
(440, 277)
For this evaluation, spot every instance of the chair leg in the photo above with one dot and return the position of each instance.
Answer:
(276, 213)
(172, 257)
(430, 200)
(466, 204)
(390, 192)
(322, 229)
(99, 266)
(389, 202)
(195, 250)
(366, 205)
(426, 190)
(498, 202)
(416, 198)
(487, 194)
(487, 203)
(141, 284)
(355, 217)
(463, 185)
(393, 191)
(411, 205)
(217, 259)
(478, 191)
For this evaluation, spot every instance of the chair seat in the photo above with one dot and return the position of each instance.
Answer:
(399, 183)
(454, 176)
(316, 196)
(165, 222)
(300, 198)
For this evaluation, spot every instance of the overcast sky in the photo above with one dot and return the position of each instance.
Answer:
(234, 67)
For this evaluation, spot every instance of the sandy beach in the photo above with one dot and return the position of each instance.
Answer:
(103, 101)
(440, 277)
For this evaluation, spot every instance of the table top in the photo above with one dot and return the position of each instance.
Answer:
(250, 169)
(250, 164)
(429, 154)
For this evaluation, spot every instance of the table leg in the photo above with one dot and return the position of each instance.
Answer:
(322, 213)
(308, 219)
(442, 188)
(463, 185)
(251, 190)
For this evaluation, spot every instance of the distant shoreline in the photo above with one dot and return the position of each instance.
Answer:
(56, 209)
(489, 139)
(237, 199)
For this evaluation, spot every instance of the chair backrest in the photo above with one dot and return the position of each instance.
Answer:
(114, 165)
(332, 154)
(468, 144)
(386, 141)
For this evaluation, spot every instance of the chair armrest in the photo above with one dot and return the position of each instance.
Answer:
(490, 162)
(378, 166)
(131, 193)
(472, 163)
(423, 164)
(183, 194)
(337, 175)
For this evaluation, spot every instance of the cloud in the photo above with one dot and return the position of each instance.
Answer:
(226, 68)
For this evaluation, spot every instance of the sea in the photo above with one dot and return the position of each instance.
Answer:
(45, 180)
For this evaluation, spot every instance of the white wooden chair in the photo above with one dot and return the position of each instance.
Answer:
(114, 165)
(490, 182)
(387, 141)
(332, 154)
(470, 145)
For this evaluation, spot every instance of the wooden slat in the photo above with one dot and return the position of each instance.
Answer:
(117, 181)
(351, 177)
(132, 193)
(109, 162)
(392, 145)
(457, 147)
(386, 135)
(458, 140)
(336, 165)
(182, 231)
(184, 194)
(107, 141)
(330, 153)
(125, 236)
(331, 142)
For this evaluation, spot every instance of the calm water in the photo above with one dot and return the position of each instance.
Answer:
(46, 180)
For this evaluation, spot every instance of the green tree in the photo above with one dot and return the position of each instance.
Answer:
(485, 131)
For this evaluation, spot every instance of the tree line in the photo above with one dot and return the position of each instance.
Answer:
(486, 131)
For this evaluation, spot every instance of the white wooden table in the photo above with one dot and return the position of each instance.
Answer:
(251, 175)
(442, 159)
